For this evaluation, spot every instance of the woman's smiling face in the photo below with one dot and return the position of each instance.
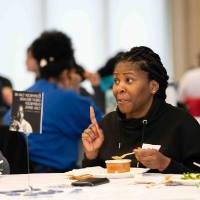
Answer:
(133, 90)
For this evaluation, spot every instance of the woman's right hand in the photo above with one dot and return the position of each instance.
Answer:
(92, 137)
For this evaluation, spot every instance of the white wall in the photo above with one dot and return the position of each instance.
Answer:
(98, 28)
(20, 22)
(83, 22)
(141, 23)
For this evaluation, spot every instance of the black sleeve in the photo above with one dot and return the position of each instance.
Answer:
(189, 140)
(178, 168)
(91, 163)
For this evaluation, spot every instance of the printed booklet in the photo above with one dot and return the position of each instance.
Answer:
(27, 110)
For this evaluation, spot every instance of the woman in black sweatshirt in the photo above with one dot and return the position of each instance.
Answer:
(143, 117)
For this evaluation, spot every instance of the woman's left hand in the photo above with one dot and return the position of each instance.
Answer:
(152, 158)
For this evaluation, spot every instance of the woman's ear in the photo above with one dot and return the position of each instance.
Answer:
(154, 86)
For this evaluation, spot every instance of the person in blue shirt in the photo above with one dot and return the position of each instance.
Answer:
(65, 112)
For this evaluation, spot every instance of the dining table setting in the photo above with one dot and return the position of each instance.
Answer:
(135, 184)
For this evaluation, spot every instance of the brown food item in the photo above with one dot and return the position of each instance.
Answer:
(118, 166)
(80, 177)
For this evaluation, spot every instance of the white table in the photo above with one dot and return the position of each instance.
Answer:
(117, 189)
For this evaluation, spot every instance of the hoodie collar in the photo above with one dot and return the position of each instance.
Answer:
(154, 112)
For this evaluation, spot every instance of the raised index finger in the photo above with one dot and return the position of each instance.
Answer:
(92, 116)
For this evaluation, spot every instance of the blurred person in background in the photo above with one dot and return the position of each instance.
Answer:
(5, 96)
(65, 112)
(102, 82)
(76, 74)
(189, 90)
(31, 62)
(94, 79)
(143, 118)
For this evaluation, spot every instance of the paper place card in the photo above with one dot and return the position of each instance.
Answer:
(150, 146)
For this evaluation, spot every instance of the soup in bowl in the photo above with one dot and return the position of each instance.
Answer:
(118, 166)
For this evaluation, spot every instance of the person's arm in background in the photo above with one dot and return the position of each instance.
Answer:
(99, 98)
(99, 95)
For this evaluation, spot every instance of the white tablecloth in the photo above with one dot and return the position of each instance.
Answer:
(117, 189)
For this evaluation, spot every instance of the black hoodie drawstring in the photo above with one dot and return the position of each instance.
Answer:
(144, 123)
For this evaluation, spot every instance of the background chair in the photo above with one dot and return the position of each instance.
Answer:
(193, 106)
(14, 148)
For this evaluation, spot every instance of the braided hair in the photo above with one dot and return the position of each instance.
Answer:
(149, 62)
(53, 52)
(108, 68)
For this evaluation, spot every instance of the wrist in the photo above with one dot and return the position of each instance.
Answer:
(91, 154)
(164, 164)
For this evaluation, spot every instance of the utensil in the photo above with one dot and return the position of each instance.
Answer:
(197, 164)
(122, 156)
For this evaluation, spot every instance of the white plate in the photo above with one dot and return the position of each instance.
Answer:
(188, 182)
(102, 172)
(130, 174)
(148, 179)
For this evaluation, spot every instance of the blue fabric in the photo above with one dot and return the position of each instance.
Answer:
(65, 116)
(106, 83)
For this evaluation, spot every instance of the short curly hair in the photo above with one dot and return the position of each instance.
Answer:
(150, 62)
(54, 52)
